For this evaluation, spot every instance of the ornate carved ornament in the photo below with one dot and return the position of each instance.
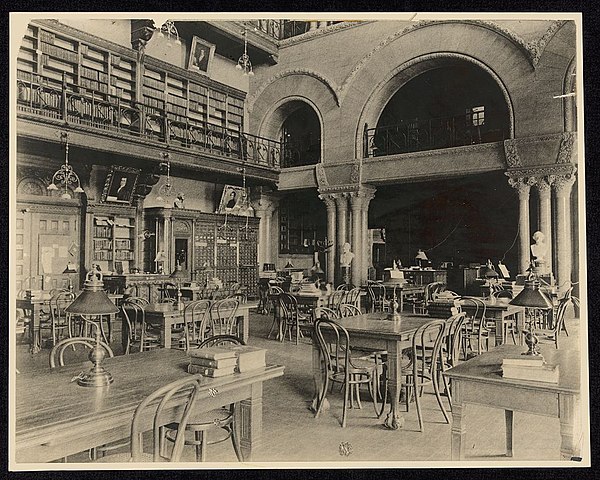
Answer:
(322, 181)
(565, 151)
(182, 227)
(531, 174)
(512, 155)
(330, 84)
(286, 42)
(356, 172)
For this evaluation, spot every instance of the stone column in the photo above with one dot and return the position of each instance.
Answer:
(562, 223)
(545, 216)
(263, 208)
(331, 227)
(341, 202)
(356, 201)
(369, 194)
(522, 187)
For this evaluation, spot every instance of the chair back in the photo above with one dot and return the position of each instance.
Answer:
(132, 310)
(196, 317)
(453, 335)
(220, 340)
(333, 345)
(502, 294)
(559, 315)
(162, 403)
(58, 351)
(352, 297)
(377, 296)
(138, 300)
(343, 286)
(426, 350)
(288, 308)
(169, 291)
(223, 316)
(328, 313)
(58, 303)
(349, 310)
(334, 300)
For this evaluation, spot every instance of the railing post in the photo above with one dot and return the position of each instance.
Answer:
(64, 97)
(366, 141)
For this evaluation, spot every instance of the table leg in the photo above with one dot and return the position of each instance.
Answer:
(251, 421)
(243, 320)
(36, 346)
(459, 428)
(318, 378)
(165, 333)
(394, 421)
(508, 418)
(520, 319)
(499, 329)
(570, 426)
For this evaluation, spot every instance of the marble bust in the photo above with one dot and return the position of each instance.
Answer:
(539, 248)
(346, 255)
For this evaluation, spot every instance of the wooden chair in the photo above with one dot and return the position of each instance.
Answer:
(325, 312)
(223, 318)
(552, 334)
(139, 334)
(425, 354)
(200, 425)
(451, 345)
(343, 287)
(58, 321)
(352, 297)
(349, 310)
(475, 331)
(196, 317)
(291, 317)
(334, 300)
(273, 299)
(432, 289)
(159, 402)
(341, 368)
(377, 297)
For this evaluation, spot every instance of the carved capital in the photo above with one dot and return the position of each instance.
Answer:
(542, 185)
(513, 160)
(521, 185)
(329, 200)
(565, 152)
(356, 201)
(563, 184)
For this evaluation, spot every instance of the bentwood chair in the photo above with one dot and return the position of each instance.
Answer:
(291, 317)
(349, 310)
(139, 334)
(223, 317)
(431, 290)
(58, 321)
(57, 354)
(196, 317)
(334, 300)
(377, 296)
(181, 392)
(552, 334)
(340, 367)
(450, 352)
(352, 297)
(273, 299)
(201, 425)
(425, 354)
(476, 335)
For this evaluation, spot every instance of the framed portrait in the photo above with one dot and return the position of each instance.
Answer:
(201, 56)
(120, 184)
(232, 199)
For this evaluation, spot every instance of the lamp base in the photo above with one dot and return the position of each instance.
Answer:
(394, 317)
(96, 377)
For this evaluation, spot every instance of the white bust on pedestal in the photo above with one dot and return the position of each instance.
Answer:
(539, 250)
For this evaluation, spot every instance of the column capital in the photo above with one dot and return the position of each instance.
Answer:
(563, 184)
(521, 184)
(328, 199)
(543, 184)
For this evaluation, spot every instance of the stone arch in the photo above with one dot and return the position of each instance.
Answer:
(400, 75)
(570, 103)
(274, 117)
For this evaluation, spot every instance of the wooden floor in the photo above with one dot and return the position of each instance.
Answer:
(292, 434)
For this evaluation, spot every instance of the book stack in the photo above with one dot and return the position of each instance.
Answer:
(530, 368)
(249, 358)
(213, 362)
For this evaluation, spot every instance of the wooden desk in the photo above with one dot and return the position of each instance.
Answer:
(35, 306)
(373, 331)
(501, 313)
(480, 381)
(166, 315)
(56, 418)
(402, 290)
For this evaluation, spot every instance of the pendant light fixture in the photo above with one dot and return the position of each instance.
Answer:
(244, 63)
(65, 176)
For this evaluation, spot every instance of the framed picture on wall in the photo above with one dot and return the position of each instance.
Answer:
(120, 184)
(201, 55)
(232, 199)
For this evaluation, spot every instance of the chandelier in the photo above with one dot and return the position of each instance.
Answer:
(244, 62)
(168, 30)
(65, 175)
(166, 189)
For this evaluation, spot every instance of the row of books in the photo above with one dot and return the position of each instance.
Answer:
(226, 360)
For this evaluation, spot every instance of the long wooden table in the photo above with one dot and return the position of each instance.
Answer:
(56, 417)
(499, 311)
(402, 289)
(480, 381)
(166, 315)
(373, 330)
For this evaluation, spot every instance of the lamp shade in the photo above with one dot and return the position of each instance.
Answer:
(178, 273)
(531, 296)
(421, 255)
(489, 272)
(70, 268)
(93, 300)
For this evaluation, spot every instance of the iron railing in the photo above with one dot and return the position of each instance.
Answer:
(299, 153)
(110, 113)
(280, 29)
(445, 132)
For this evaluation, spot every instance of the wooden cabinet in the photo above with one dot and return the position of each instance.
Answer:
(423, 277)
(206, 245)
(112, 238)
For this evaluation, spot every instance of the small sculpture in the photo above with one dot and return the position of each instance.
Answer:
(347, 256)
(179, 201)
(539, 250)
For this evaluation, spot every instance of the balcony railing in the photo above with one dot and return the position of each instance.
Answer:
(281, 29)
(296, 154)
(435, 133)
(111, 113)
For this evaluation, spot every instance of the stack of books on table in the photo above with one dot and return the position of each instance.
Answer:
(213, 361)
(529, 367)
